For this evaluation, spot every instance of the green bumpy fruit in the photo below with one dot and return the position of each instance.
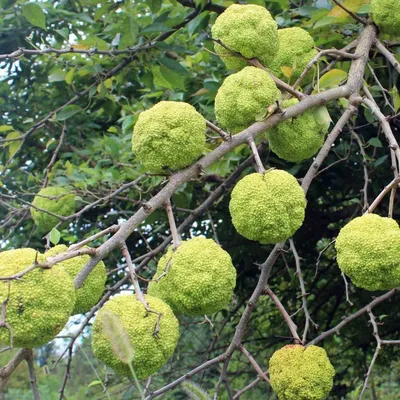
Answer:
(200, 278)
(90, 292)
(63, 204)
(296, 50)
(170, 135)
(246, 29)
(151, 351)
(243, 97)
(299, 138)
(267, 207)
(386, 15)
(368, 251)
(39, 304)
(301, 373)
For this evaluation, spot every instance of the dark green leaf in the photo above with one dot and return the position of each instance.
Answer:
(155, 5)
(34, 14)
(68, 112)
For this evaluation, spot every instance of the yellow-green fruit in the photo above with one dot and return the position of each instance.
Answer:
(243, 97)
(246, 29)
(267, 207)
(90, 292)
(39, 304)
(299, 138)
(170, 135)
(386, 15)
(151, 351)
(200, 278)
(56, 200)
(296, 50)
(368, 251)
(301, 373)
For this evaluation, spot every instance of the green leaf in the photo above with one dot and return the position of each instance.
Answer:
(13, 146)
(380, 160)
(94, 383)
(55, 236)
(332, 78)
(69, 77)
(57, 75)
(129, 32)
(375, 142)
(321, 114)
(324, 21)
(64, 32)
(68, 112)
(167, 78)
(5, 128)
(155, 5)
(34, 14)
(396, 98)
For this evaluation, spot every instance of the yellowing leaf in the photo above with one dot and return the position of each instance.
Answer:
(352, 5)
(287, 71)
(332, 78)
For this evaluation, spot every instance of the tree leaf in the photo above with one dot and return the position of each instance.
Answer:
(396, 98)
(352, 5)
(57, 75)
(13, 146)
(321, 114)
(94, 383)
(68, 112)
(55, 236)
(375, 142)
(34, 14)
(155, 5)
(332, 78)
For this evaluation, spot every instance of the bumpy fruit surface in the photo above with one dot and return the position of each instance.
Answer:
(56, 200)
(267, 207)
(151, 351)
(90, 292)
(368, 251)
(301, 373)
(243, 97)
(299, 138)
(296, 50)
(246, 29)
(39, 304)
(200, 278)
(170, 135)
(386, 15)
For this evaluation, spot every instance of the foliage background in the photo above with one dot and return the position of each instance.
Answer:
(96, 158)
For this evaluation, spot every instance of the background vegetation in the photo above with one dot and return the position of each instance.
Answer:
(90, 140)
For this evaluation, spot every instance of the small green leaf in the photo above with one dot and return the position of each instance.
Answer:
(94, 383)
(155, 5)
(34, 14)
(380, 160)
(321, 114)
(64, 32)
(375, 142)
(69, 77)
(57, 75)
(55, 236)
(68, 112)
(396, 98)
